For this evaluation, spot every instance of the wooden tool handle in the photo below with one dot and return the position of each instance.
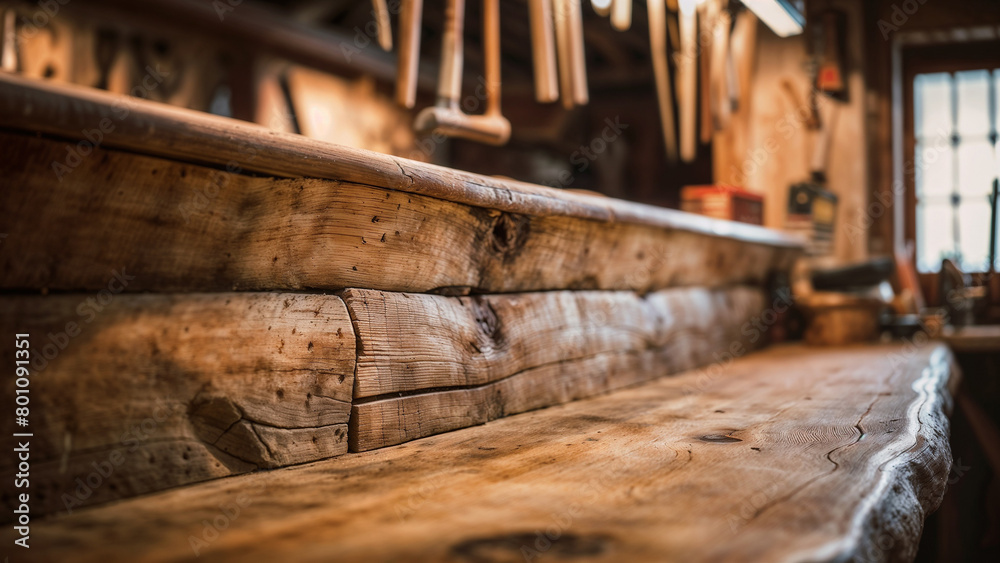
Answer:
(686, 72)
(543, 51)
(719, 80)
(661, 70)
(491, 44)
(621, 14)
(602, 9)
(578, 61)
(561, 17)
(450, 82)
(821, 149)
(382, 24)
(410, 15)
(706, 47)
(8, 55)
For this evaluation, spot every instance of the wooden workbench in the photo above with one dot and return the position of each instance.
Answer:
(790, 454)
(273, 300)
(304, 337)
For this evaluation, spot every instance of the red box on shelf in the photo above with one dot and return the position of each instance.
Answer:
(724, 202)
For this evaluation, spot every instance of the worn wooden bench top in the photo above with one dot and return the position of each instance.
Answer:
(791, 454)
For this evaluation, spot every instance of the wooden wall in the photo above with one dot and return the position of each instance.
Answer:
(778, 147)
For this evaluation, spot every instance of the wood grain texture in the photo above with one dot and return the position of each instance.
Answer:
(160, 130)
(183, 227)
(170, 390)
(429, 363)
(790, 454)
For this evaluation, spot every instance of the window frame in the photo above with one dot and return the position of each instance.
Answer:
(925, 59)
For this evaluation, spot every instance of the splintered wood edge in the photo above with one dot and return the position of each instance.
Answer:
(155, 129)
(912, 484)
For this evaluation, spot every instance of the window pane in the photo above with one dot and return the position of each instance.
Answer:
(976, 167)
(934, 234)
(934, 167)
(932, 104)
(996, 243)
(974, 234)
(973, 102)
(996, 117)
(996, 99)
(996, 165)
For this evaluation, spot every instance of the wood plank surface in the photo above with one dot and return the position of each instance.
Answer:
(790, 454)
(430, 363)
(147, 392)
(140, 126)
(184, 227)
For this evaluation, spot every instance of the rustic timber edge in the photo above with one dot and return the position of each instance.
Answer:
(427, 364)
(180, 227)
(170, 390)
(155, 391)
(791, 454)
(155, 129)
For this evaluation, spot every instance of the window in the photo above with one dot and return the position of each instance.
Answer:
(955, 126)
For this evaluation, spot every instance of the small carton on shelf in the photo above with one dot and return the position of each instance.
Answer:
(724, 202)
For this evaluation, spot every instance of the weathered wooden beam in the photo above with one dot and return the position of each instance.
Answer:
(429, 363)
(791, 454)
(150, 128)
(131, 394)
(185, 227)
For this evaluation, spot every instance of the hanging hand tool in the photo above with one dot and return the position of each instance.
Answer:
(409, 52)
(544, 51)
(719, 67)
(563, 53)
(706, 15)
(569, 48)
(382, 24)
(601, 7)
(661, 70)
(8, 56)
(579, 62)
(621, 14)
(687, 77)
(446, 117)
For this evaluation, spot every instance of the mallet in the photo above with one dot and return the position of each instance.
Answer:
(446, 118)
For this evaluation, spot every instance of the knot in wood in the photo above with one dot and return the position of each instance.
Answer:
(719, 439)
(508, 233)
(486, 317)
(511, 547)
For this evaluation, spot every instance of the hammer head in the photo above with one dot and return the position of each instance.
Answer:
(492, 129)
